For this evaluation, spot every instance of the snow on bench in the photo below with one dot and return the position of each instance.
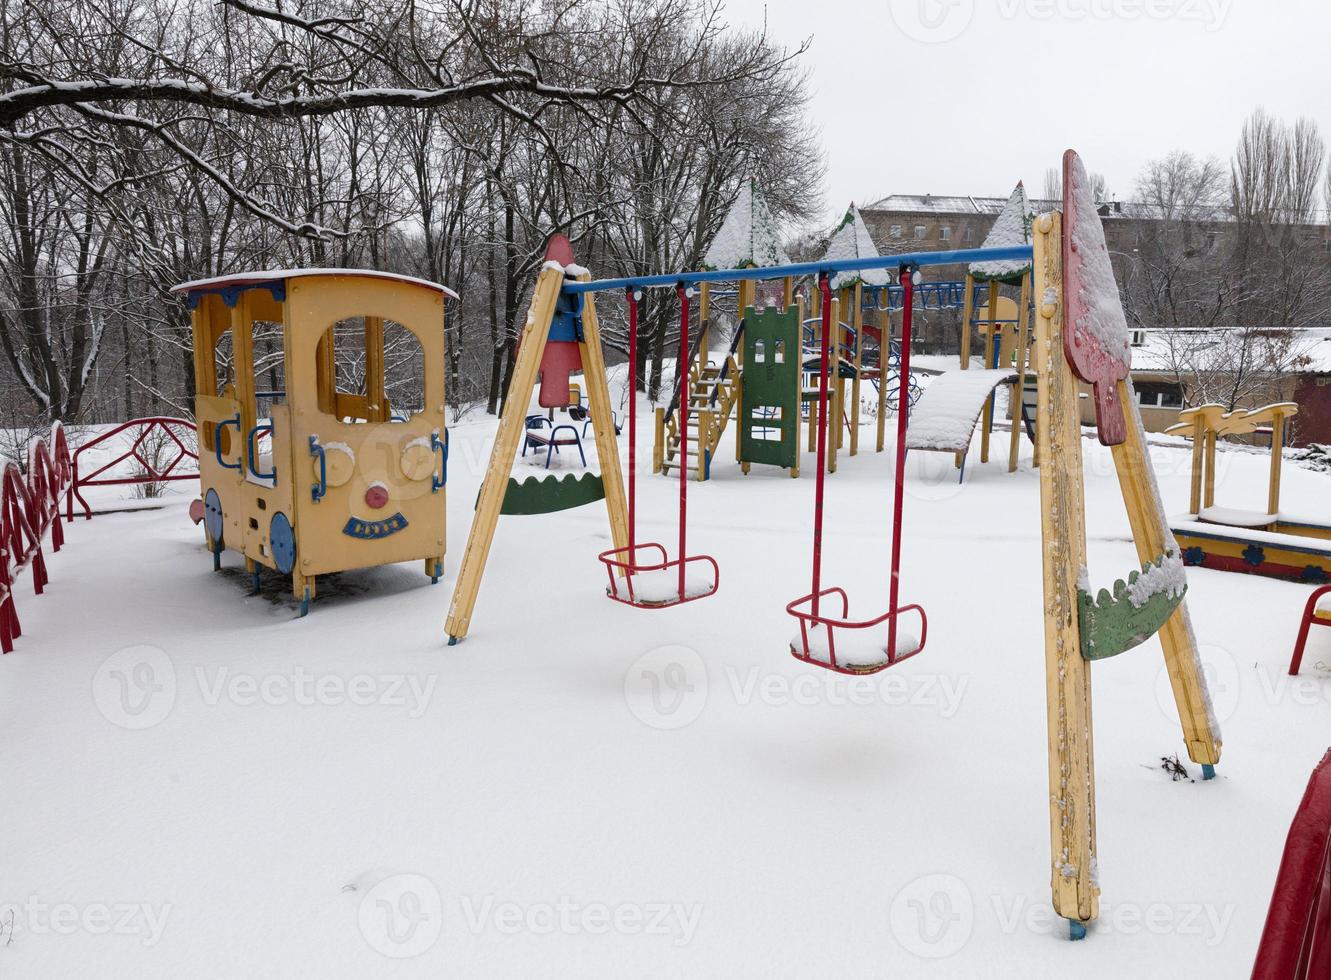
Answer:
(945, 416)
(1187, 524)
(1234, 517)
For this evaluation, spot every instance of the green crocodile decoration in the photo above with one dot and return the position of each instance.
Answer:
(537, 495)
(1111, 624)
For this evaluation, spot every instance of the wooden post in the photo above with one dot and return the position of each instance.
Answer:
(857, 320)
(377, 407)
(1277, 453)
(1067, 673)
(704, 321)
(1019, 388)
(987, 415)
(1198, 462)
(704, 437)
(967, 313)
(1208, 489)
(1150, 532)
(884, 347)
(658, 445)
(495, 484)
(603, 420)
(834, 394)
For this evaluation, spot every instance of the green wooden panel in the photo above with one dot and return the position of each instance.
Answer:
(1111, 624)
(535, 495)
(770, 393)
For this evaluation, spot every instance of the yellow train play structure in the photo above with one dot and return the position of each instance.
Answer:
(333, 464)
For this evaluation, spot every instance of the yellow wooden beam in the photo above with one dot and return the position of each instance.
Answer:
(511, 427)
(1019, 388)
(1150, 533)
(603, 422)
(1067, 673)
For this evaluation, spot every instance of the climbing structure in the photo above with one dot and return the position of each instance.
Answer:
(850, 241)
(1004, 325)
(748, 239)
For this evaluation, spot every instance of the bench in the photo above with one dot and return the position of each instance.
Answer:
(541, 432)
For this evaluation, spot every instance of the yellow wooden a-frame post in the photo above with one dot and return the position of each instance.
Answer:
(511, 427)
(1067, 673)
(1067, 670)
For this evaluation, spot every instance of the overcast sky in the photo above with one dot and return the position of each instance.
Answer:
(968, 96)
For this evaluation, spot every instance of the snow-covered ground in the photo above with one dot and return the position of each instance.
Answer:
(200, 784)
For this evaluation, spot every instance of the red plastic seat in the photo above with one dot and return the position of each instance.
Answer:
(653, 581)
(862, 648)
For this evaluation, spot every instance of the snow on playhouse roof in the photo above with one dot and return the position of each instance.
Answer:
(274, 275)
(1013, 227)
(748, 236)
(851, 240)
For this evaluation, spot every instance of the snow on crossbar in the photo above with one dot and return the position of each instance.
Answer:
(945, 416)
(1296, 943)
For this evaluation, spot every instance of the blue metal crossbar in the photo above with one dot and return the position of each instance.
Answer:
(960, 257)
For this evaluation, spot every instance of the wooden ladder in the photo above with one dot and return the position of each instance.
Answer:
(713, 391)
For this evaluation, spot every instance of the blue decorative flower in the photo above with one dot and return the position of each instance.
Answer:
(1315, 574)
(1193, 556)
(1254, 555)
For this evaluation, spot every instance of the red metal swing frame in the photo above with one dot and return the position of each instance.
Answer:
(629, 561)
(808, 608)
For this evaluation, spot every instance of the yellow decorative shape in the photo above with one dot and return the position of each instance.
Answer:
(341, 466)
(418, 461)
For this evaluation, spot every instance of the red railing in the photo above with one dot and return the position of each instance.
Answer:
(151, 468)
(29, 505)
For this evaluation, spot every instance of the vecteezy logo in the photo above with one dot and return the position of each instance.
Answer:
(402, 916)
(666, 688)
(933, 916)
(931, 21)
(135, 687)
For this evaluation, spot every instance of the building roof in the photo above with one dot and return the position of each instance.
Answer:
(963, 204)
(1161, 349)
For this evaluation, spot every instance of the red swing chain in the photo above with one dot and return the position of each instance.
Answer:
(633, 419)
(684, 393)
(903, 412)
(898, 494)
(825, 292)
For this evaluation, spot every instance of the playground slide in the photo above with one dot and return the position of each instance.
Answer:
(1296, 943)
(945, 417)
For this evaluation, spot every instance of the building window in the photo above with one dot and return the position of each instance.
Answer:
(894, 231)
(1159, 396)
(945, 234)
(1137, 338)
(969, 235)
(919, 232)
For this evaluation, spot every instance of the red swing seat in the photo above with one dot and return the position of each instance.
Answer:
(644, 575)
(651, 580)
(862, 650)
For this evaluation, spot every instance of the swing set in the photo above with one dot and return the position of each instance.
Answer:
(1072, 346)
(816, 643)
(641, 581)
